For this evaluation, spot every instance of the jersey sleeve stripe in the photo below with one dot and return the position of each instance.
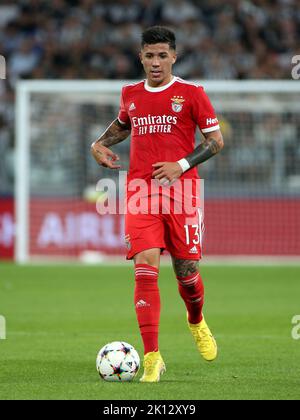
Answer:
(134, 83)
(121, 122)
(208, 130)
(186, 82)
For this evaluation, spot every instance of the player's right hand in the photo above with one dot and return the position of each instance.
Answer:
(104, 156)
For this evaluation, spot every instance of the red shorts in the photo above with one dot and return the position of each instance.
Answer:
(180, 234)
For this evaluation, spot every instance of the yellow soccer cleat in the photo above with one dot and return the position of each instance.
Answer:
(204, 339)
(154, 367)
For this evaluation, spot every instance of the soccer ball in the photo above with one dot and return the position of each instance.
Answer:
(118, 362)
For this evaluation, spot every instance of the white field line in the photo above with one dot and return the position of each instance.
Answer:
(247, 261)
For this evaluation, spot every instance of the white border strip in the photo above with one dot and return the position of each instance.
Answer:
(213, 261)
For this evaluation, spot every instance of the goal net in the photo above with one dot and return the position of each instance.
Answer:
(252, 189)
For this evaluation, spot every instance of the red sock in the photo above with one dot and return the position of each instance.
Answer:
(191, 290)
(147, 305)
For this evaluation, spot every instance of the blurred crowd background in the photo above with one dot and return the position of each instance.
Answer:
(94, 39)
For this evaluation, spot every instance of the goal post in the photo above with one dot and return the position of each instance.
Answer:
(22, 167)
(252, 188)
(23, 129)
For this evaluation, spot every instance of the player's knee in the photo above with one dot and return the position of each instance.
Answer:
(150, 257)
(185, 268)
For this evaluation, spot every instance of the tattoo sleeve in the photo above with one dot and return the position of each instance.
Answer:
(115, 133)
(184, 268)
(207, 149)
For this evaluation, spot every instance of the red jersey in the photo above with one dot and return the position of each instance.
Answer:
(163, 123)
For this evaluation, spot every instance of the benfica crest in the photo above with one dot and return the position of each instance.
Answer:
(177, 103)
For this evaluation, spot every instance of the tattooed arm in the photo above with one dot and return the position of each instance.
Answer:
(114, 134)
(212, 145)
(167, 172)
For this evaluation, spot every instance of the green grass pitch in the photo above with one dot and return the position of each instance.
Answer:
(59, 317)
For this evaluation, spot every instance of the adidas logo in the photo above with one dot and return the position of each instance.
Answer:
(132, 107)
(142, 304)
(193, 250)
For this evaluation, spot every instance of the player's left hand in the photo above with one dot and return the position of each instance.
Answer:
(166, 172)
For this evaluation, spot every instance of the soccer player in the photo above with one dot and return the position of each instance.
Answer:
(161, 113)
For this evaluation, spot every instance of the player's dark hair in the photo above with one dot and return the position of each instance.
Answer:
(157, 35)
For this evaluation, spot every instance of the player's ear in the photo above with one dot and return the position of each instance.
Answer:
(173, 55)
(141, 57)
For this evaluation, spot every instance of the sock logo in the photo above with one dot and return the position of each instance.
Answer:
(142, 304)
(196, 300)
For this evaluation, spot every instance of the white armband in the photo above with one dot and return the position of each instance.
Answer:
(185, 166)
